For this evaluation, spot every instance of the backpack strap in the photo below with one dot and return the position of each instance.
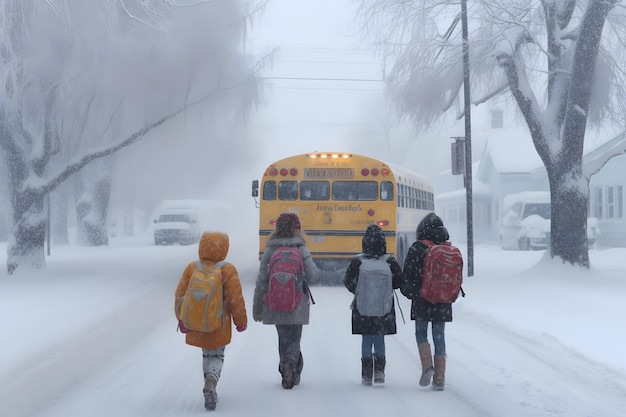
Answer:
(305, 283)
(200, 265)
(427, 242)
(308, 290)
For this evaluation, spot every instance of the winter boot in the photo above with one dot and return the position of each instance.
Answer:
(288, 371)
(299, 367)
(439, 378)
(210, 394)
(379, 369)
(367, 371)
(426, 358)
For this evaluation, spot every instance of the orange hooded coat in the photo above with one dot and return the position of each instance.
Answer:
(212, 249)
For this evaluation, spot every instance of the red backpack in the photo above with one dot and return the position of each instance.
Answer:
(286, 279)
(442, 273)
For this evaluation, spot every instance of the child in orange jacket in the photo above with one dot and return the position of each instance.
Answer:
(212, 249)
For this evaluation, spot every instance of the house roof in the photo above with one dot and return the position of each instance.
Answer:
(512, 152)
(596, 156)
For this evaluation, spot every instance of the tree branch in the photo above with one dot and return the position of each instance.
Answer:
(606, 153)
(77, 165)
(520, 88)
(583, 69)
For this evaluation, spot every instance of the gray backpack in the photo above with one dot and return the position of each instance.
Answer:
(374, 290)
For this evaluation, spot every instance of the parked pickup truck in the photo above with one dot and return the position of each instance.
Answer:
(526, 222)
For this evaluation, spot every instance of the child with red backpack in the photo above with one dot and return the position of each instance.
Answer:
(282, 296)
(432, 285)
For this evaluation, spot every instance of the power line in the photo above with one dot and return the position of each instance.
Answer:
(326, 88)
(326, 62)
(323, 79)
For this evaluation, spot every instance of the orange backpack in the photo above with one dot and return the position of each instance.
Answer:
(202, 306)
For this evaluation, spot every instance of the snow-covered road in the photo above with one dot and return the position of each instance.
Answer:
(95, 336)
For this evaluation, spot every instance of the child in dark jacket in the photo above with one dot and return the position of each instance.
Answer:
(373, 328)
(423, 311)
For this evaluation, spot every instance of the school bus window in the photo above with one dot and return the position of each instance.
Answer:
(269, 190)
(386, 191)
(355, 190)
(314, 190)
(288, 190)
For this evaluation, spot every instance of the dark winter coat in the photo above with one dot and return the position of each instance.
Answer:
(373, 245)
(430, 228)
(260, 311)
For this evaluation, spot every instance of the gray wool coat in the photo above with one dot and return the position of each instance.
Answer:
(260, 312)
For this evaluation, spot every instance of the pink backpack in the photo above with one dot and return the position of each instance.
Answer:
(442, 273)
(286, 279)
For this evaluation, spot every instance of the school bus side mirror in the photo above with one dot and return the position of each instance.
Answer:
(255, 188)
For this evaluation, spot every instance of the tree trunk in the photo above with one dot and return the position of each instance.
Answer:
(568, 230)
(26, 248)
(58, 208)
(94, 189)
(28, 231)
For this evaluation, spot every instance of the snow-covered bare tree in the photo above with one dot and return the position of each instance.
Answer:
(82, 80)
(561, 61)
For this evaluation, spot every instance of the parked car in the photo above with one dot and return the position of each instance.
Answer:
(526, 222)
(176, 226)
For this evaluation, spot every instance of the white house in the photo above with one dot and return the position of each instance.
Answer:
(508, 163)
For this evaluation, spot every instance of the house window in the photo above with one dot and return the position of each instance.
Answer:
(598, 210)
(482, 215)
(614, 202)
(497, 119)
(609, 202)
(620, 202)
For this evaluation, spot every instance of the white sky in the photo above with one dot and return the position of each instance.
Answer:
(94, 335)
(315, 97)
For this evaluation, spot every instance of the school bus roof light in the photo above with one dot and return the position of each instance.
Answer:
(365, 172)
(385, 172)
(374, 172)
(326, 156)
(293, 172)
(273, 172)
(283, 172)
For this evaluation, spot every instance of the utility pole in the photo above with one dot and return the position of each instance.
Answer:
(468, 143)
(48, 221)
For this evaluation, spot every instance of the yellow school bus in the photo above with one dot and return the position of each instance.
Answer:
(337, 195)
